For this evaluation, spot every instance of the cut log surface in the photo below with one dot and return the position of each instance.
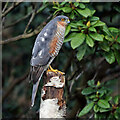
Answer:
(52, 102)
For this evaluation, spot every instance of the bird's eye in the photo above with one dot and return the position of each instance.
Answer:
(62, 19)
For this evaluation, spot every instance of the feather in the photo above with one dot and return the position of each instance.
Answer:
(36, 75)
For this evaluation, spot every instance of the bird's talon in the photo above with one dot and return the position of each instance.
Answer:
(50, 69)
(60, 72)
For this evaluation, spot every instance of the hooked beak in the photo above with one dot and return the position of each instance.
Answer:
(68, 21)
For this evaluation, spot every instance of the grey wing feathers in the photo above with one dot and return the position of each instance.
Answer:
(40, 55)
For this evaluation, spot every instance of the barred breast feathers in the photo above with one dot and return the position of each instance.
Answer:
(57, 40)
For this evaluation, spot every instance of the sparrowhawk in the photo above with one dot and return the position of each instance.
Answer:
(46, 48)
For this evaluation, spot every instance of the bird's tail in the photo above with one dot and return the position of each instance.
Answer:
(35, 75)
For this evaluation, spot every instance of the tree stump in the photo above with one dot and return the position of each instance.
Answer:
(52, 102)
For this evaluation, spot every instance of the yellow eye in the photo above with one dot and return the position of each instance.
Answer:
(62, 19)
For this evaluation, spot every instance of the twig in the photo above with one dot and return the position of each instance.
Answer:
(23, 18)
(111, 77)
(36, 31)
(75, 79)
(73, 74)
(30, 20)
(10, 9)
(5, 6)
(20, 37)
(11, 39)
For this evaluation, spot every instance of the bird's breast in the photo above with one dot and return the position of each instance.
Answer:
(57, 40)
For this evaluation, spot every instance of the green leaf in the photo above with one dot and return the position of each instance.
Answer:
(82, 6)
(77, 40)
(67, 30)
(92, 96)
(89, 41)
(87, 91)
(96, 108)
(99, 23)
(109, 56)
(103, 104)
(72, 16)
(76, 13)
(63, 3)
(106, 30)
(75, 30)
(81, 52)
(95, 99)
(74, 25)
(117, 56)
(117, 115)
(118, 109)
(105, 46)
(76, 4)
(112, 29)
(56, 11)
(86, 109)
(102, 90)
(116, 100)
(85, 27)
(96, 36)
(80, 23)
(118, 39)
(96, 116)
(91, 83)
(108, 98)
(116, 46)
(109, 38)
(101, 95)
(93, 23)
(94, 18)
(56, 8)
(92, 29)
(66, 9)
(92, 12)
(86, 12)
(104, 110)
(117, 8)
(69, 38)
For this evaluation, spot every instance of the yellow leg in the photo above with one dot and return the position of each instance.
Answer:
(50, 69)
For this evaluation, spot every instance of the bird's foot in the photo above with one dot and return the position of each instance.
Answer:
(50, 69)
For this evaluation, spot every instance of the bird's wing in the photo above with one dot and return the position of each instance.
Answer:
(40, 56)
(40, 53)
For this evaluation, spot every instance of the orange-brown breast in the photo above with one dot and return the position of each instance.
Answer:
(62, 23)
(53, 45)
(57, 38)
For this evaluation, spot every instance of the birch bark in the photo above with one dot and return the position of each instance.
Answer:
(52, 102)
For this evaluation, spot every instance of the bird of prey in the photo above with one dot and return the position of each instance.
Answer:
(46, 48)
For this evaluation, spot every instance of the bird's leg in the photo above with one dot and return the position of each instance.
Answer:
(50, 69)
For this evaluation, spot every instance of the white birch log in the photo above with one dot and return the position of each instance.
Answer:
(52, 103)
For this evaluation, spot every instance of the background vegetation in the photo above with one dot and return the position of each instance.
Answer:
(91, 53)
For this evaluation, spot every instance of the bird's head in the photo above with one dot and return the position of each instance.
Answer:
(63, 20)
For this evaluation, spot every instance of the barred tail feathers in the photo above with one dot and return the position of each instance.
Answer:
(36, 76)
